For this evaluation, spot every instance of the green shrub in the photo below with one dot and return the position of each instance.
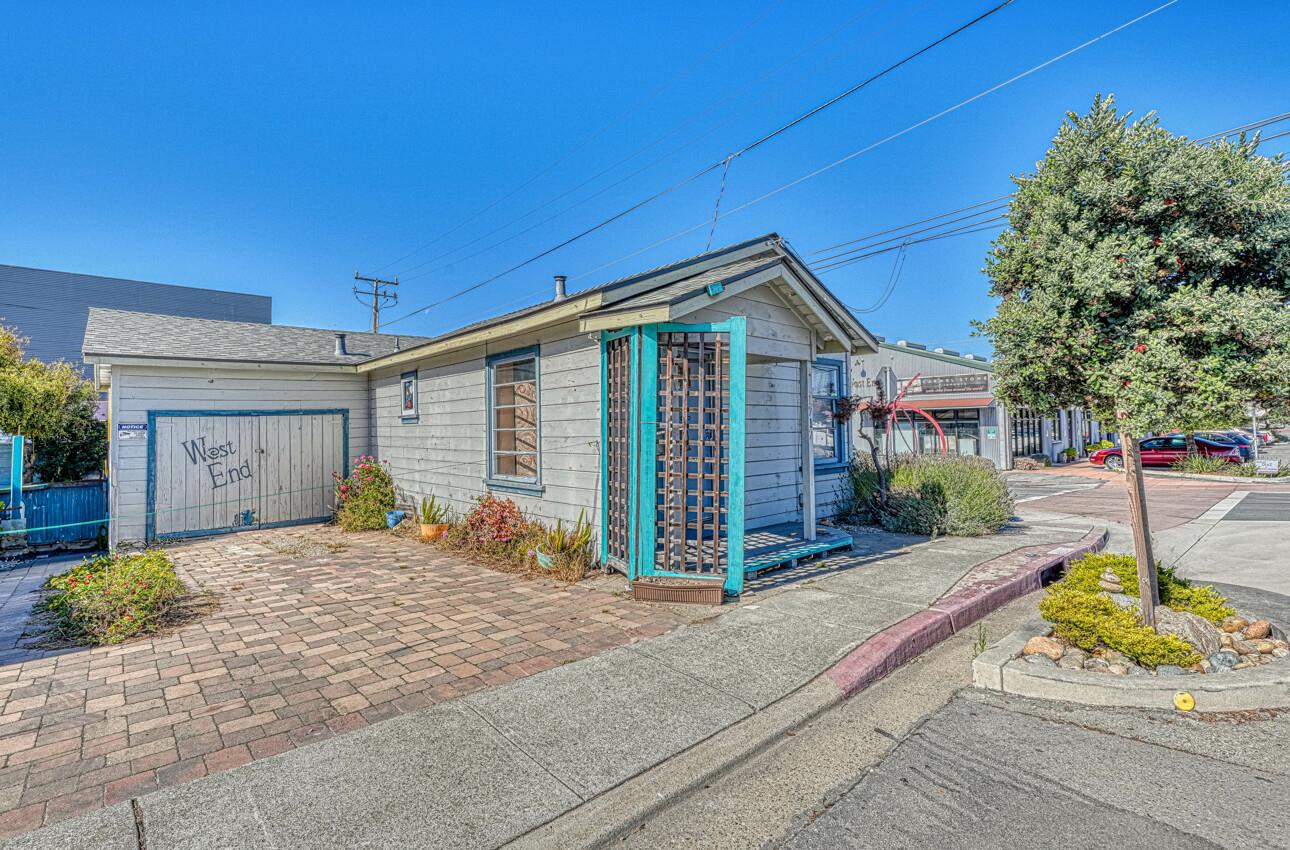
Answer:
(1093, 620)
(930, 494)
(363, 498)
(1249, 470)
(110, 598)
(1178, 593)
(860, 500)
(955, 494)
(1203, 465)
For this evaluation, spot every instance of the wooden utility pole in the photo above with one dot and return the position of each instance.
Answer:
(379, 294)
(1148, 586)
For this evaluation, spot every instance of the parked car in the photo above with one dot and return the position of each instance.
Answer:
(1235, 438)
(1164, 451)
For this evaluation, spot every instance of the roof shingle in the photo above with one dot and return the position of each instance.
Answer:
(126, 334)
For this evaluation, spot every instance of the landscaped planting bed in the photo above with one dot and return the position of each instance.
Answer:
(1094, 612)
(110, 598)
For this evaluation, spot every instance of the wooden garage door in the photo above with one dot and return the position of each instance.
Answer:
(210, 472)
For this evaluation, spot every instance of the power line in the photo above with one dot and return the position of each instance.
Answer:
(751, 84)
(837, 162)
(1243, 128)
(974, 227)
(907, 233)
(720, 163)
(912, 224)
(597, 134)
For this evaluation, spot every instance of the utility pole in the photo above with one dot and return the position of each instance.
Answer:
(379, 294)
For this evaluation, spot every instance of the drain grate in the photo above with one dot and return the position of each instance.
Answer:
(1261, 507)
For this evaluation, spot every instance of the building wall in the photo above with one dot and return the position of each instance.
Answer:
(444, 453)
(51, 308)
(139, 389)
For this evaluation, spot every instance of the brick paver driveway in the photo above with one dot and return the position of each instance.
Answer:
(303, 646)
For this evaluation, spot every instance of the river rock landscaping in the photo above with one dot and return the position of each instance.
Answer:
(1094, 612)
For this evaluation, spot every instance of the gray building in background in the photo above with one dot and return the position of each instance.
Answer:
(957, 390)
(50, 308)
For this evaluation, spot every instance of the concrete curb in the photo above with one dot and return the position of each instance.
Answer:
(1216, 479)
(999, 582)
(602, 820)
(999, 669)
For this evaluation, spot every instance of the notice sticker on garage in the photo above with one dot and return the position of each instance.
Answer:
(132, 431)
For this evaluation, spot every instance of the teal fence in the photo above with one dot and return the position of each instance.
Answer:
(75, 506)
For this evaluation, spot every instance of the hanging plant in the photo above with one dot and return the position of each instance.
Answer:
(846, 406)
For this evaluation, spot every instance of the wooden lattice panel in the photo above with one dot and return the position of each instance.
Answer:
(692, 445)
(618, 426)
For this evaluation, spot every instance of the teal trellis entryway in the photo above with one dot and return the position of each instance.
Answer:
(672, 429)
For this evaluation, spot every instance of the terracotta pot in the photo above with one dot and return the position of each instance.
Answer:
(433, 531)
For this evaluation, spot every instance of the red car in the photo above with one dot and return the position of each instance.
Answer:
(1163, 451)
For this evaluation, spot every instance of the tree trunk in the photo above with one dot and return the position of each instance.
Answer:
(1148, 591)
(1192, 451)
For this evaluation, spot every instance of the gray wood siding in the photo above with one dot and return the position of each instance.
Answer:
(774, 330)
(444, 453)
(139, 389)
(773, 459)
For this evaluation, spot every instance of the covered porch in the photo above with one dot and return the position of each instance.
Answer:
(707, 464)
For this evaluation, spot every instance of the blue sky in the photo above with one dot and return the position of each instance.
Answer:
(277, 150)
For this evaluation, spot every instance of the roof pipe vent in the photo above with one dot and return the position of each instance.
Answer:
(340, 346)
(559, 287)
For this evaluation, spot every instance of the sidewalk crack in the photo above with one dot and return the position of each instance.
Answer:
(517, 745)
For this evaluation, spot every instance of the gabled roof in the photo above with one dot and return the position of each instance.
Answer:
(674, 288)
(121, 333)
(673, 283)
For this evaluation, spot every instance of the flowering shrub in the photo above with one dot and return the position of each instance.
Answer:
(497, 534)
(363, 498)
(110, 598)
(494, 520)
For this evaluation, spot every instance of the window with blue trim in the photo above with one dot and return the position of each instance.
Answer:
(513, 418)
(828, 434)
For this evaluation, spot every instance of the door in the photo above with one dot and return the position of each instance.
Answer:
(214, 471)
(673, 449)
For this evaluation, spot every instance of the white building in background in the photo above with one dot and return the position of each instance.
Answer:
(957, 390)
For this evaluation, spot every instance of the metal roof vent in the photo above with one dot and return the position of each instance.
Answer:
(340, 346)
(949, 351)
(976, 357)
(559, 287)
(904, 343)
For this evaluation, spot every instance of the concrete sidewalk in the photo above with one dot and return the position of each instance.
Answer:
(485, 769)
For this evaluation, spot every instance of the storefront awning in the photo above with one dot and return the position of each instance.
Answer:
(950, 403)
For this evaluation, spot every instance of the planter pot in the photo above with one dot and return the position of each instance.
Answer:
(670, 589)
(433, 530)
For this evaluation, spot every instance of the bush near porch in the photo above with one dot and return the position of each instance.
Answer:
(496, 533)
(931, 494)
(110, 598)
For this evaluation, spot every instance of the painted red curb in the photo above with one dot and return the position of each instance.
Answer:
(900, 643)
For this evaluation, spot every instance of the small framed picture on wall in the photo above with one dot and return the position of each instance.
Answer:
(408, 396)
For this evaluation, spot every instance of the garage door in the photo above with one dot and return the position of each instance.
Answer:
(226, 471)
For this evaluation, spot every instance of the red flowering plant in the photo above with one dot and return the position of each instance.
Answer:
(109, 598)
(494, 520)
(363, 498)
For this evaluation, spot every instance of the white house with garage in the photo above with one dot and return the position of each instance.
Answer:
(685, 411)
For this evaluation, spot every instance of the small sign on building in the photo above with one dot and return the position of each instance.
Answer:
(132, 431)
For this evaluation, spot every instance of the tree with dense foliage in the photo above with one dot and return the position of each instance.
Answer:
(1145, 277)
(39, 400)
(78, 451)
